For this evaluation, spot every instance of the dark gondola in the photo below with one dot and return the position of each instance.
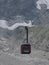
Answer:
(26, 48)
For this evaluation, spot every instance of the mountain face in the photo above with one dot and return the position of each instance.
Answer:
(11, 8)
(28, 9)
(12, 11)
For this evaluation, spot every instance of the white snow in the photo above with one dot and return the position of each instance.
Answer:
(3, 24)
(42, 2)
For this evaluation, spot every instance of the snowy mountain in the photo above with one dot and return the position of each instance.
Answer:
(37, 10)
(46, 2)
(16, 12)
(14, 15)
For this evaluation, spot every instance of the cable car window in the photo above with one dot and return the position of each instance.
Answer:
(25, 49)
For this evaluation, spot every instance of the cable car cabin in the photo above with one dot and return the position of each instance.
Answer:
(25, 49)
